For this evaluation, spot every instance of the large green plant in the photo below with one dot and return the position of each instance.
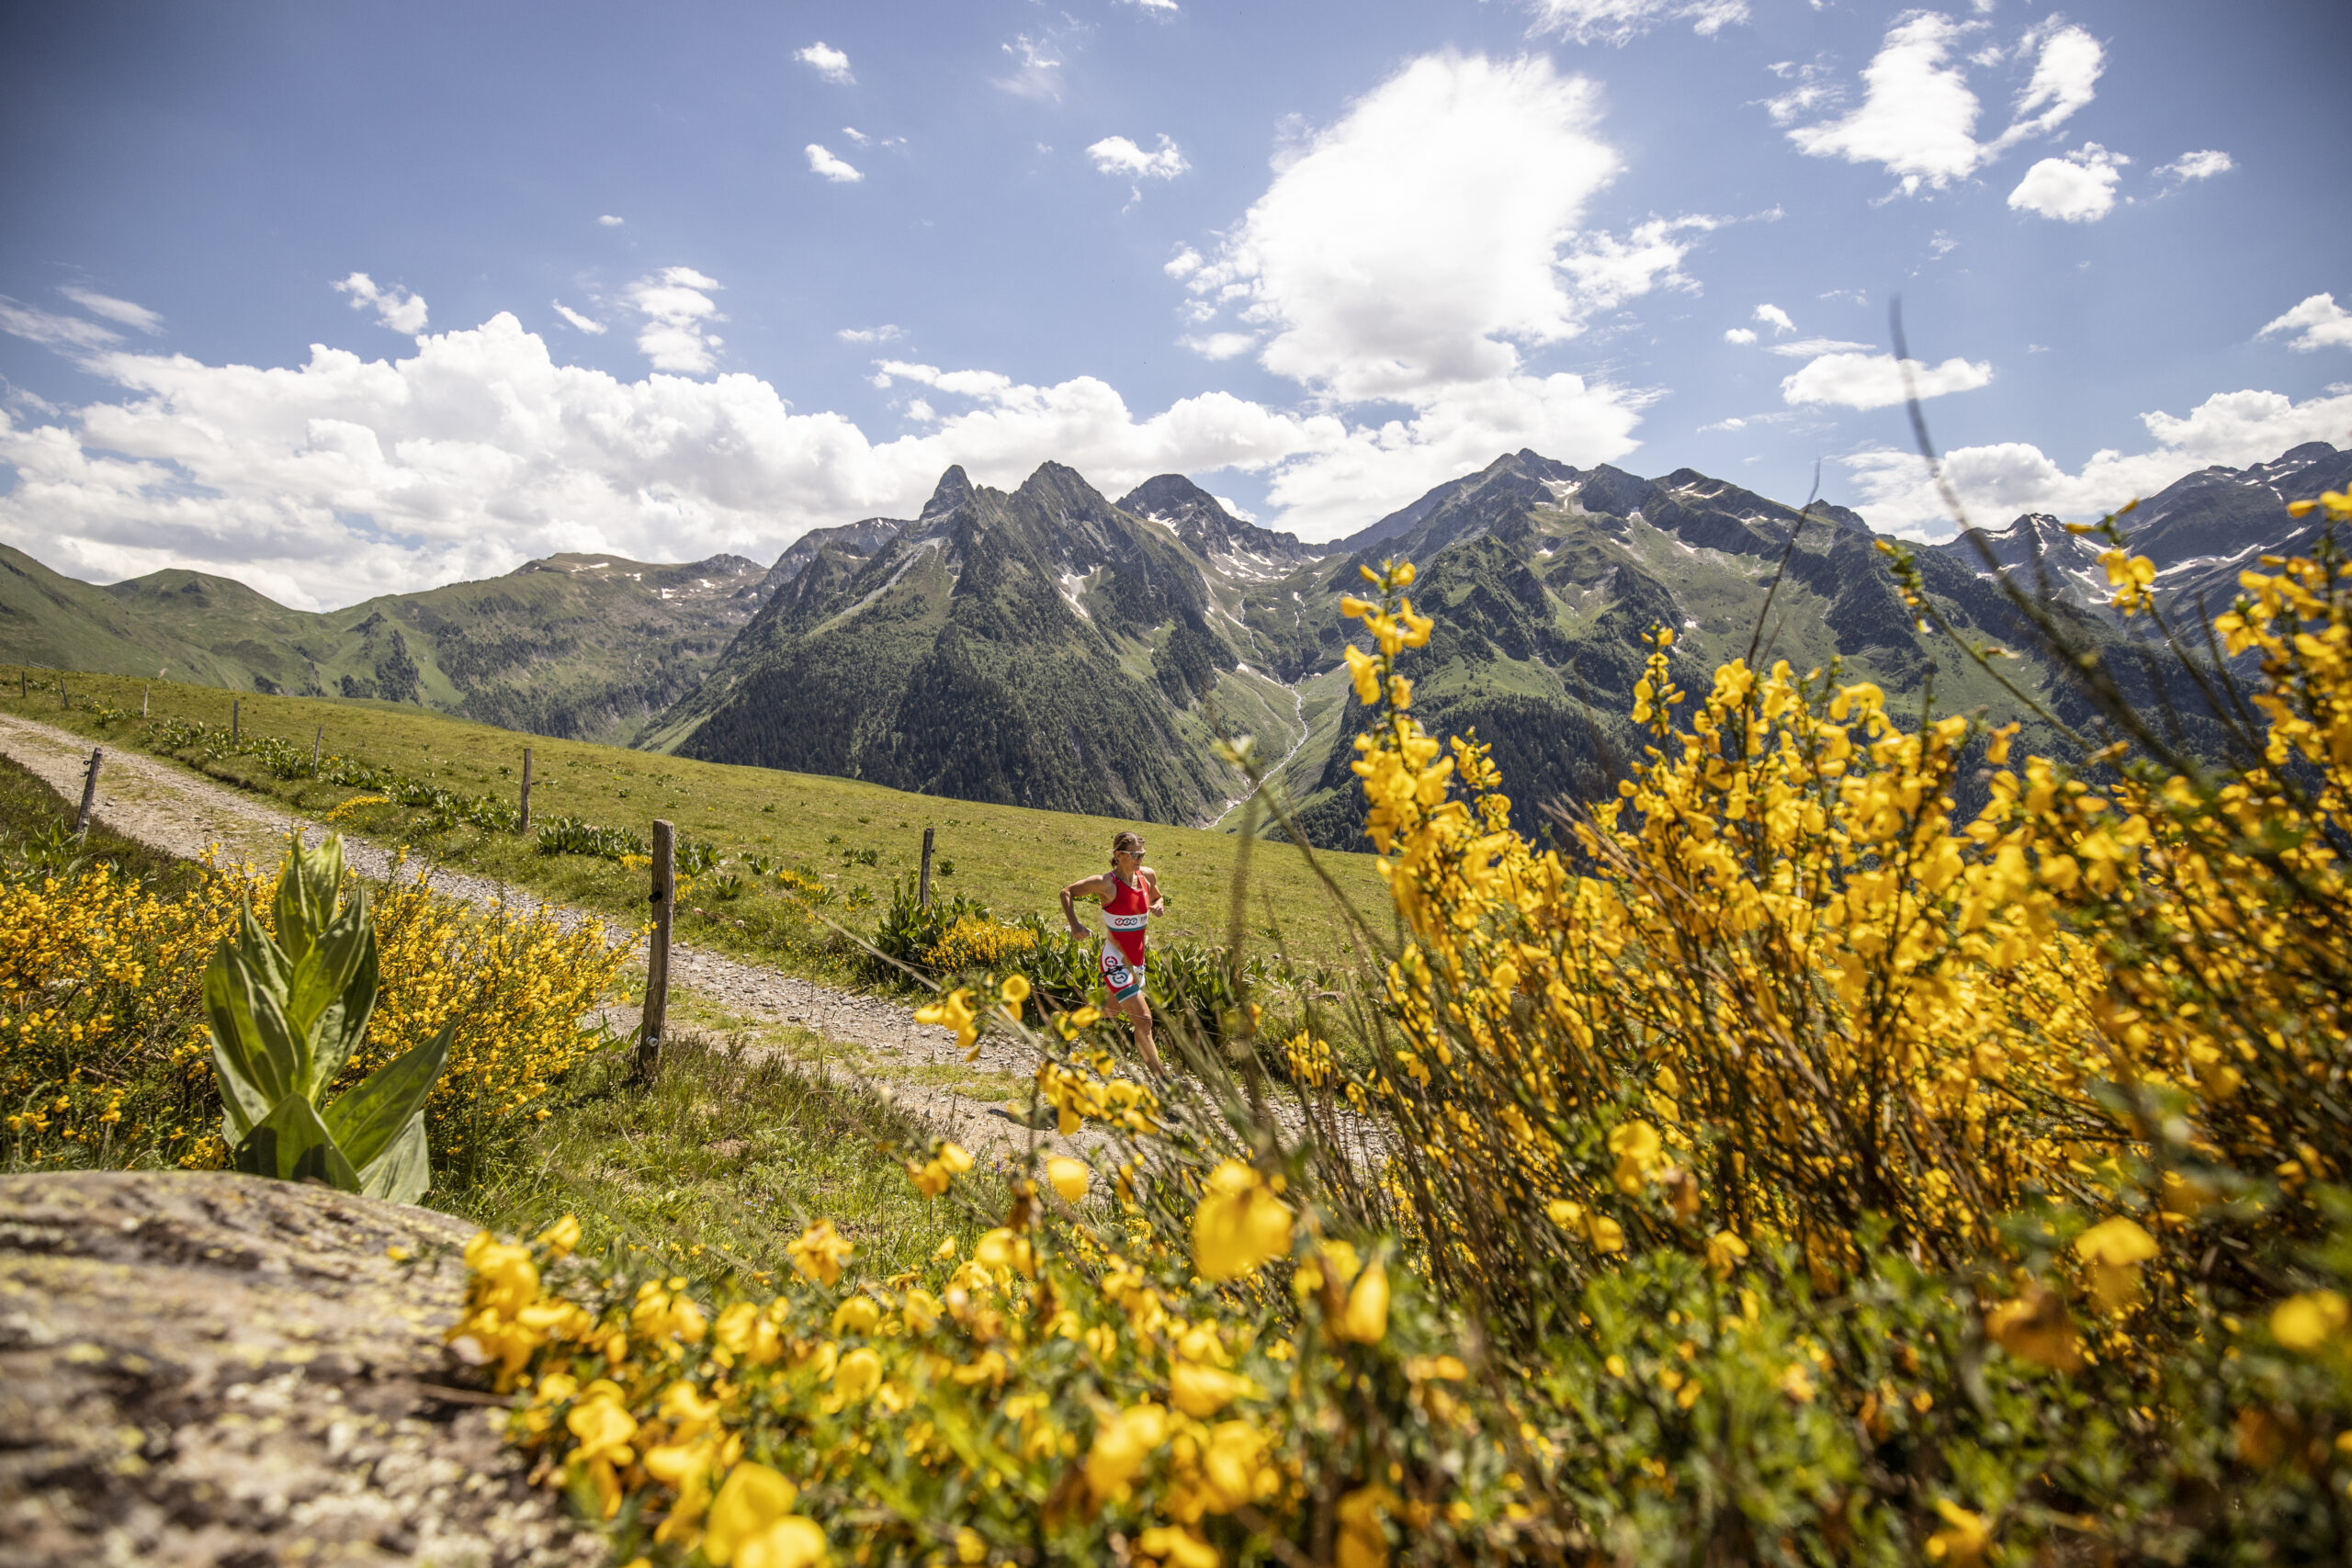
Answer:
(287, 1010)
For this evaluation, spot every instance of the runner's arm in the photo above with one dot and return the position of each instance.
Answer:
(1159, 899)
(1088, 887)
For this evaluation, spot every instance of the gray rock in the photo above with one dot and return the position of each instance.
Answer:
(200, 1368)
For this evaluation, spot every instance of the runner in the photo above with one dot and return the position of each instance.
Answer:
(1130, 894)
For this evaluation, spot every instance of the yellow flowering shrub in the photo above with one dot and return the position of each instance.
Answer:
(977, 942)
(106, 1058)
(1793, 1166)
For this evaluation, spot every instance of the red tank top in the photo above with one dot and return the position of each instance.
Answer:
(1124, 912)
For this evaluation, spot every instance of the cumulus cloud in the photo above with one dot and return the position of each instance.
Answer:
(826, 62)
(825, 164)
(1157, 8)
(2318, 322)
(676, 303)
(395, 307)
(1998, 481)
(113, 309)
(1813, 347)
(1875, 380)
(1918, 114)
(1425, 236)
(1739, 334)
(1117, 155)
(583, 324)
(1622, 21)
(2076, 188)
(609, 221)
(2202, 164)
(51, 330)
(883, 333)
(1775, 318)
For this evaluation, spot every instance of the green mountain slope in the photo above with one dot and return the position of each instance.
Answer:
(584, 647)
(1038, 647)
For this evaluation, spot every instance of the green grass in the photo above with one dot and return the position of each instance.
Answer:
(733, 1150)
(1015, 859)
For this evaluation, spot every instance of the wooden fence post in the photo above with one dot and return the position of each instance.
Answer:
(236, 712)
(24, 685)
(523, 822)
(143, 699)
(63, 700)
(657, 956)
(317, 741)
(924, 899)
(89, 792)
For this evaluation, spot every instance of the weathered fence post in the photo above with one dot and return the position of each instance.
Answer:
(317, 741)
(24, 685)
(236, 713)
(523, 821)
(89, 792)
(64, 701)
(924, 899)
(657, 954)
(143, 699)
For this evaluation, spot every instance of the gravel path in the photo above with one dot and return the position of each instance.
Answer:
(163, 805)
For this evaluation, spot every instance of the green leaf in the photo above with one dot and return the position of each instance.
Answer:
(365, 1120)
(401, 1173)
(249, 1020)
(292, 1145)
(244, 1103)
(343, 1022)
(306, 893)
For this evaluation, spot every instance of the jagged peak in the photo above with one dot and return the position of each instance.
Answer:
(953, 490)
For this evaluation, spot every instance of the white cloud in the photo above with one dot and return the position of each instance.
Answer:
(1775, 318)
(1424, 236)
(884, 334)
(395, 307)
(2076, 188)
(1739, 334)
(1918, 113)
(51, 330)
(583, 323)
(828, 62)
(1157, 8)
(2320, 322)
(1814, 347)
(1875, 380)
(1221, 345)
(1037, 69)
(1622, 21)
(1997, 481)
(2202, 164)
(675, 303)
(1117, 155)
(823, 162)
(113, 309)
(1186, 262)
(609, 221)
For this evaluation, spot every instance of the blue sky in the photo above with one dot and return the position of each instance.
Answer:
(343, 300)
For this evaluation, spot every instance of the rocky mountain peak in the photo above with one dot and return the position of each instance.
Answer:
(953, 490)
(1206, 528)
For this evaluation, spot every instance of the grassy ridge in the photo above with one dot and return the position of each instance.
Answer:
(1015, 859)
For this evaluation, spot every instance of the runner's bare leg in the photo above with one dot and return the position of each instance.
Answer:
(1138, 1013)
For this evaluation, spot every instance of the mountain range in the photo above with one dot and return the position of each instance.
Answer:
(1049, 646)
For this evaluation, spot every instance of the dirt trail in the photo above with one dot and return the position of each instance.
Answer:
(870, 1038)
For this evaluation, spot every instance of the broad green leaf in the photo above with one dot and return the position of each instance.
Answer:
(249, 1025)
(366, 1119)
(292, 1145)
(306, 893)
(401, 1173)
(343, 1021)
(243, 1104)
(320, 979)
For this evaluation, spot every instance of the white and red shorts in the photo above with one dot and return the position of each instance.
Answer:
(1124, 979)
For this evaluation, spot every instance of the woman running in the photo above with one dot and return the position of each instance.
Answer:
(1130, 896)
